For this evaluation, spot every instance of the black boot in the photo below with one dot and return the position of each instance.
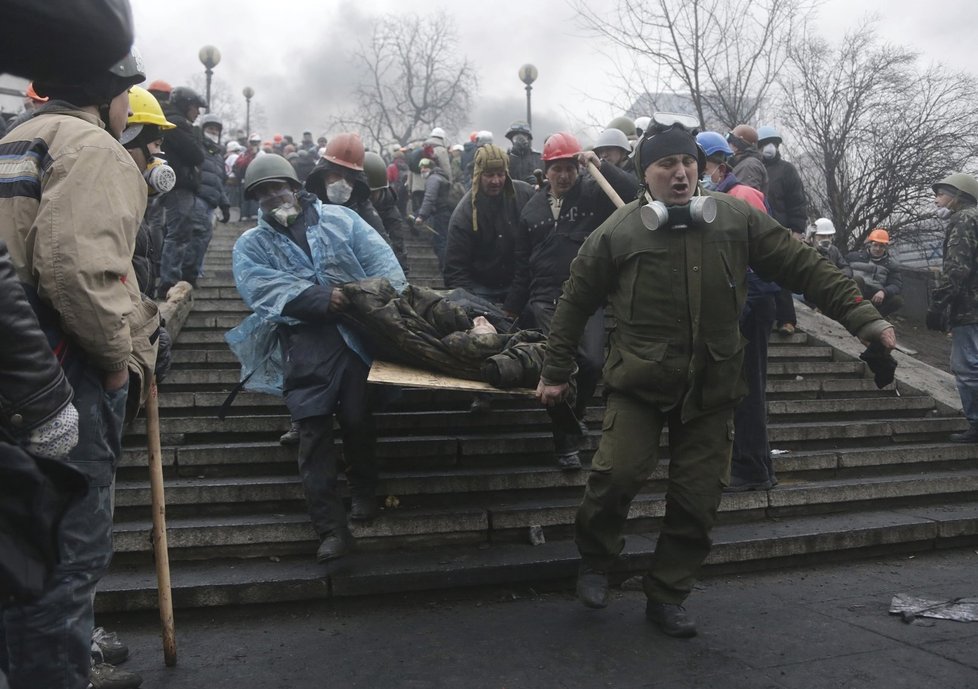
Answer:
(592, 587)
(968, 436)
(333, 547)
(671, 619)
(363, 508)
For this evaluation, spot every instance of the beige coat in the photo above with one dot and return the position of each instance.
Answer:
(71, 200)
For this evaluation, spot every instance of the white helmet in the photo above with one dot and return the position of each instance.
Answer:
(437, 133)
(613, 138)
(483, 137)
(457, 147)
(642, 123)
(824, 228)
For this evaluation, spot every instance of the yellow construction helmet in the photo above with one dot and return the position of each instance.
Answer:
(146, 109)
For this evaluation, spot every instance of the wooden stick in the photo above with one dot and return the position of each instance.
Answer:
(159, 524)
(605, 185)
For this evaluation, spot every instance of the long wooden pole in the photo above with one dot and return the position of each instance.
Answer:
(159, 525)
(605, 184)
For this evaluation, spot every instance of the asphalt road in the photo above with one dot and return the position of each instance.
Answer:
(814, 628)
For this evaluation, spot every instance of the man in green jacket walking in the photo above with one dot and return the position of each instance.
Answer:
(676, 279)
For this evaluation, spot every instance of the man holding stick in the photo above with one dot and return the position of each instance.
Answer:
(673, 266)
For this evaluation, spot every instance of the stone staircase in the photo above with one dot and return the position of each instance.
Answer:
(862, 471)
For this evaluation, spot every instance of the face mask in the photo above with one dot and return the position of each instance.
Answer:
(285, 214)
(159, 176)
(707, 183)
(825, 243)
(425, 173)
(339, 192)
(943, 212)
(520, 142)
(769, 151)
(212, 136)
(656, 215)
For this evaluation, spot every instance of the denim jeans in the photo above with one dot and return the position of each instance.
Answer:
(179, 206)
(751, 460)
(964, 366)
(47, 642)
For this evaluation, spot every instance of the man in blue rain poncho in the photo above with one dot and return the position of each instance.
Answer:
(289, 270)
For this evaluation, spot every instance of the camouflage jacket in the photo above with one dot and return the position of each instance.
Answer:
(957, 285)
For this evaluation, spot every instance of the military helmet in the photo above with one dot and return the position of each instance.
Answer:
(268, 167)
(625, 124)
(613, 138)
(767, 133)
(182, 97)
(212, 120)
(519, 127)
(376, 171)
(961, 183)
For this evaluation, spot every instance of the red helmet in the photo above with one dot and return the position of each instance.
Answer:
(160, 85)
(345, 149)
(561, 145)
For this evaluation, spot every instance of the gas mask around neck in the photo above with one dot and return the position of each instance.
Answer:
(656, 215)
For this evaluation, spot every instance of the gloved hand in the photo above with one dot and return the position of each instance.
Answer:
(225, 212)
(55, 438)
(164, 356)
(936, 320)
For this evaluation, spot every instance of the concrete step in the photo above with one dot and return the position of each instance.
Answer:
(754, 545)
(507, 516)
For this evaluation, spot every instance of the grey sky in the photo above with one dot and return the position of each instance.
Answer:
(294, 52)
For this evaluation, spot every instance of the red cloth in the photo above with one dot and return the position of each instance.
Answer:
(392, 173)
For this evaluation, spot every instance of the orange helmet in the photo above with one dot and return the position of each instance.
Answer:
(32, 94)
(277, 138)
(346, 149)
(159, 85)
(879, 235)
(745, 132)
(560, 145)
(473, 136)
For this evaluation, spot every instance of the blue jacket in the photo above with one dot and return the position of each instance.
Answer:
(270, 270)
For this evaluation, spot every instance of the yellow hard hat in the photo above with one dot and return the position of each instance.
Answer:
(146, 109)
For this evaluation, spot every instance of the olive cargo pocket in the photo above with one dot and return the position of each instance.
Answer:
(723, 378)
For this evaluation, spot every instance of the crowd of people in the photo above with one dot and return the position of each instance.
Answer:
(694, 240)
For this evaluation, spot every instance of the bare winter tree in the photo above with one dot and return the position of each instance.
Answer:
(223, 103)
(412, 79)
(875, 130)
(723, 55)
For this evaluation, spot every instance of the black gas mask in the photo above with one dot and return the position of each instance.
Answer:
(655, 215)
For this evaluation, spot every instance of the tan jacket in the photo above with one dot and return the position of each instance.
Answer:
(71, 199)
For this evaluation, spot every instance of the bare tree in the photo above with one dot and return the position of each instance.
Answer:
(875, 130)
(412, 79)
(723, 55)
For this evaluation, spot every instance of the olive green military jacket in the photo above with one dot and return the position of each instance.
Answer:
(677, 296)
(957, 286)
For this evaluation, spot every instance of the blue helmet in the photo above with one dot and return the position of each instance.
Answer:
(767, 133)
(711, 143)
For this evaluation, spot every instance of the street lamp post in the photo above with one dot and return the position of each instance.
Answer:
(248, 92)
(209, 57)
(528, 74)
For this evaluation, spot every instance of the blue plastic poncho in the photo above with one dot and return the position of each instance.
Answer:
(270, 270)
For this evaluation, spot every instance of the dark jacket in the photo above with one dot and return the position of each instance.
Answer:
(33, 388)
(545, 247)
(437, 205)
(678, 295)
(957, 285)
(395, 226)
(485, 258)
(786, 194)
(835, 256)
(521, 167)
(878, 273)
(183, 150)
(213, 175)
(750, 170)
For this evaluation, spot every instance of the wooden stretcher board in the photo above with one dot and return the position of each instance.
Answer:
(389, 373)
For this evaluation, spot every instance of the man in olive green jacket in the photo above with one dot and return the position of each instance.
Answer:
(675, 357)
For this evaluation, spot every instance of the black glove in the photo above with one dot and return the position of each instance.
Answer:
(936, 321)
(163, 355)
(881, 363)
(225, 213)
